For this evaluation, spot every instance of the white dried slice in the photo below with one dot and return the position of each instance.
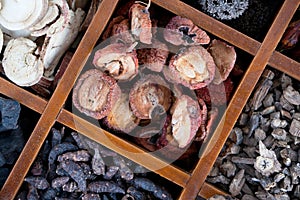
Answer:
(56, 43)
(42, 26)
(21, 14)
(20, 63)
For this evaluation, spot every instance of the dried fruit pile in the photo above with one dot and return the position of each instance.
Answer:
(260, 160)
(70, 166)
(38, 37)
(155, 83)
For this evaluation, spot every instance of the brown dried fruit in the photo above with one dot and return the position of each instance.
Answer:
(121, 117)
(182, 31)
(148, 93)
(186, 119)
(154, 56)
(121, 31)
(95, 93)
(118, 60)
(291, 36)
(194, 67)
(224, 57)
(141, 25)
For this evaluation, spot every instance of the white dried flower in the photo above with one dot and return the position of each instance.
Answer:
(224, 9)
(267, 162)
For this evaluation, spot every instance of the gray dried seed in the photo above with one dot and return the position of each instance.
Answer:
(289, 153)
(295, 128)
(247, 190)
(284, 103)
(243, 119)
(38, 182)
(228, 168)
(279, 134)
(282, 197)
(285, 114)
(295, 173)
(237, 183)
(285, 81)
(263, 195)
(218, 179)
(297, 191)
(286, 185)
(268, 110)
(291, 95)
(277, 123)
(59, 149)
(214, 171)
(70, 187)
(250, 151)
(241, 160)
(77, 156)
(274, 115)
(279, 177)
(259, 134)
(253, 123)
(269, 141)
(236, 135)
(268, 100)
(59, 181)
(296, 116)
(104, 186)
(248, 197)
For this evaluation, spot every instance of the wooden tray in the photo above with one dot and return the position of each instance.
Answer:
(193, 183)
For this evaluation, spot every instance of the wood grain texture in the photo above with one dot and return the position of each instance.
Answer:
(208, 190)
(57, 101)
(243, 92)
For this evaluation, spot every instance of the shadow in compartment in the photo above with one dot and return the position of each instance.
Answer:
(72, 166)
(251, 17)
(17, 123)
(141, 100)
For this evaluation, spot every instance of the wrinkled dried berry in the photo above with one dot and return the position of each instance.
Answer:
(105, 186)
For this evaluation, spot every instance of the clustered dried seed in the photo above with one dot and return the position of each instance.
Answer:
(260, 158)
(72, 172)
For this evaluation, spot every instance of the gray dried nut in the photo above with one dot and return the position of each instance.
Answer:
(117, 60)
(186, 120)
(291, 95)
(26, 16)
(141, 25)
(267, 162)
(20, 62)
(95, 94)
(153, 56)
(121, 116)
(182, 31)
(194, 67)
(224, 57)
(151, 93)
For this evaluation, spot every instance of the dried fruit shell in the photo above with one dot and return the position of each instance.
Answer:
(95, 93)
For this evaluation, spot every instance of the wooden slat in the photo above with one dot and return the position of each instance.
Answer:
(239, 100)
(211, 25)
(208, 190)
(64, 87)
(124, 148)
(24, 97)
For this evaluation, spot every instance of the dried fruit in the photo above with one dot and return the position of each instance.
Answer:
(224, 57)
(291, 35)
(95, 93)
(182, 31)
(105, 186)
(118, 60)
(141, 26)
(186, 119)
(193, 67)
(147, 94)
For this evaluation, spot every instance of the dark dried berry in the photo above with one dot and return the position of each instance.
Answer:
(49, 194)
(59, 149)
(105, 186)
(111, 171)
(59, 181)
(98, 164)
(70, 186)
(76, 173)
(91, 196)
(38, 182)
(32, 193)
(136, 194)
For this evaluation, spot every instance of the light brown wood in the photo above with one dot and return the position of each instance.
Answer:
(207, 190)
(239, 100)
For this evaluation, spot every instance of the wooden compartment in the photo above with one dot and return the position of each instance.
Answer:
(193, 183)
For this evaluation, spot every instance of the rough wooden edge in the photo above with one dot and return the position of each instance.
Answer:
(240, 98)
(208, 190)
(21, 95)
(123, 148)
(40, 132)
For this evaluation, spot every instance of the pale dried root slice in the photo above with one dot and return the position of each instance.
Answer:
(148, 93)
(182, 31)
(186, 120)
(153, 56)
(95, 94)
(121, 117)
(20, 63)
(141, 25)
(18, 15)
(194, 68)
(224, 56)
(118, 60)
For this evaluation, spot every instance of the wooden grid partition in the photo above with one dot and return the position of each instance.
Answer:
(193, 183)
